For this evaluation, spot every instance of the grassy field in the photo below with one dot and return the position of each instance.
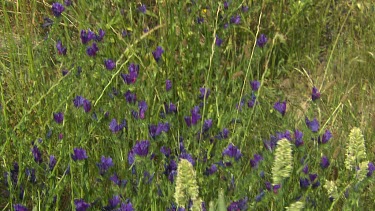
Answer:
(183, 105)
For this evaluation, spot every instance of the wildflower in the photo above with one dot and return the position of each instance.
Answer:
(305, 169)
(86, 36)
(211, 170)
(37, 154)
(105, 164)
(187, 120)
(78, 101)
(255, 85)
(86, 105)
(52, 162)
(100, 35)
(235, 19)
(130, 97)
(60, 48)
(283, 161)
(64, 72)
(126, 33)
(313, 125)
(254, 162)
(142, 105)
(57, 9)
(238, 205)
(81, 205)
(79, 154)
(126, 207)
(324, 163)
(298, 138)
(371, 169)
(156, 130)
(226, 25)
(109, 64)
(204, 93)
(19, 207)
(262, 40)
(92, 50)
(68, 3)
(165, 150)
(200, 20)
(259, 197)
(113, 202)
(133, 74)
(315, 94)
(115, 127)
(59, 117)
(157, 53)
(171, 108)
(232, 151)
(141, 148)
(168, 85)
(218, 41)
(195, 116)
(226, 5)
(312, 177)
(280, 107)
(142, 8)
(244, 8)
(187, 156)
(304, 182)
(326, 136)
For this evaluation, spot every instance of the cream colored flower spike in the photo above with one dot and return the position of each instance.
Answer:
(355, 149)
(282, 166)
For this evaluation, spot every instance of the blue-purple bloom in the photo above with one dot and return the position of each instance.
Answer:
(244, 8)
(211, 170)
(86, 36)
(218, 41)
(81, 101)
(142, 8)
(315, 94)
(298, 135)
(121, 183)
(205, 92)
(255, 85)
(165, 150)
(304, 182)
(324, 163)
(92, 50)
(130, 97)
(115, 127)
(235, 19)
(207, 125)
(171, 108)
(157, 53)
(37, 154)
(262, 40)
(81, 205)
(232, 151)
(313, 125)
(326, 136)
(59, 117)
(371, 169)
(142, 105)
(52, 162)
(305, 169)
(79, 154)
(113, 202)
(57, 9)
(168, 85)
(126, 207)
(100, 35)
(141, 148)
(238, 205)
(67, 3)
(155, 130)
(226, 5)
(30, 174)
(109, 64)
(86, 105)
(105, 164)
(280, 107)
(19, 207)
(60, 48)
(200, 20)
(254, 162)
(133, 74)
(188, 157)
(195, 116)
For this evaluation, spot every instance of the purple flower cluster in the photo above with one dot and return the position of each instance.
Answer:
(60, 48)
(194, 118)
(262, 40)
(59, 117)
(109, 64)
(87, 36)
(238, 205)
(204, 93)
(57, 9)
(155, 130)
(37, 154)
(130, 97)
(81, 205)
(133, 74)
(254, 162)
(157, 53)
(315, 95)
(81, 101)
(105, 164)
(313, 124)
(232, 151)
(115, 127)
(140, 149)
(79, 154)
(280, 107)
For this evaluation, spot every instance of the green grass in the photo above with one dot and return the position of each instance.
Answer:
(326, 44)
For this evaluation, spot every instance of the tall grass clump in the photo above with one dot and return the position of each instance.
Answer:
(186, 105)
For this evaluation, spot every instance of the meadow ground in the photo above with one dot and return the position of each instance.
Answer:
(173, 105)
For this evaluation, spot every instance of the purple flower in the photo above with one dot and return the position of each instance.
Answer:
(157, 53)
(171, 108)
(165, 150)
(226, 5)
(255, 85)
(254, 162)
(312, 177)
(371, 169)
(188, 157)
(313, 125)
(67, 3)
(305, 169)
(92, 50)
(114, 178)
(223, 134)
(298, 138)
(142, 8)
(64, 72)
(244, 8)
(57, 9)
(168, 85)
(238, 205)
(142, 105)
(37, 154)
(126, 207)
(19, 207)
(235, 19)
(52, 162)
(60, 48)
(259, 197)
(304, 182)
(59, 117)
(100, 35)
(130, 97)
(326, 136)
(280, 107)
(113, 202)
(207, 125)
(187, 120)
(78, 101)
(141, 148)
(315, 94)
(109, 64)
(195, 116)
(232, 151)
(86, 105)
(81, 205)
(125, 33)
(105, 164)
(133, 74)
(30, 174)
(200, 20)
(79, 154)
(218, 41)
(324, 163)
(86, 36)
(211, 170)
(262, 40)
(115, 127)
(204, 93)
